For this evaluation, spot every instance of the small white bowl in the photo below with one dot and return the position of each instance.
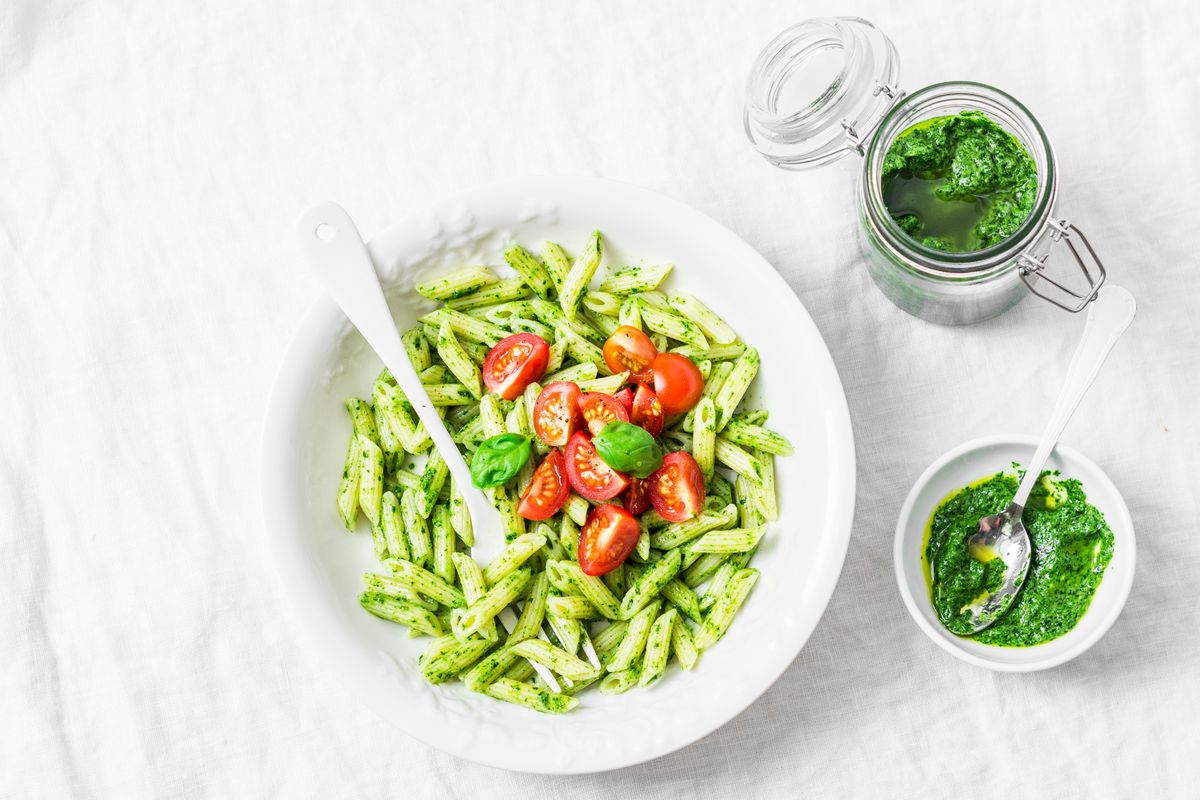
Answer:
(981, 458)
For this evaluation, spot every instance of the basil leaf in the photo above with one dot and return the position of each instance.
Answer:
(498, 459)
(628, 448)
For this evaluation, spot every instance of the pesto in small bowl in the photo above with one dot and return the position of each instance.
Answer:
(958, 183)
(1072, 546)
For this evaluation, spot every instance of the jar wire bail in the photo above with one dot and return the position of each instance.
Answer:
(895, 94)
(1032, 268)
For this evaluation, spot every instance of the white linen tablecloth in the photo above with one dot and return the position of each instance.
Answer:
(153, 157)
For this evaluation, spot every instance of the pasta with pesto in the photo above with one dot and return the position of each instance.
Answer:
(538, 626)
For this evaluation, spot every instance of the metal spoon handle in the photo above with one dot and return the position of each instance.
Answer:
(1108, 317)
(340, 261)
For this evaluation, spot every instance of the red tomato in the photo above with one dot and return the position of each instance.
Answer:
(548, 489)
(637, 497)
(647, 411)
(608, 537)
(587, 472)
(556, 413)
(514, 363)
(599, 409)
(625, 398)
(677, 489)
(630, 349)
(677, 382)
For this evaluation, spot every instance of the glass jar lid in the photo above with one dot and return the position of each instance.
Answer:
(818, 90)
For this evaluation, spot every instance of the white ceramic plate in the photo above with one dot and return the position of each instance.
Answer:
(320, 565)
(981, 458)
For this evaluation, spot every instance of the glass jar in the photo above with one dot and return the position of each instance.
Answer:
(826, 88)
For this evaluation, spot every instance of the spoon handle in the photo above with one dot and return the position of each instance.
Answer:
(340, 261)
(1108, 317)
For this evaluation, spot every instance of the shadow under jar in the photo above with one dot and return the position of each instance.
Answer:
(826, 88)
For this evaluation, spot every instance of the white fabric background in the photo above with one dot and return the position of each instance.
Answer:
(153, 158)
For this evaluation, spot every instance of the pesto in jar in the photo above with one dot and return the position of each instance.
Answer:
(958, 183)
(1072, 545)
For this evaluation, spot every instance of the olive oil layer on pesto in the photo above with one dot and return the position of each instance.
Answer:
(1072, 545)
(958, 183)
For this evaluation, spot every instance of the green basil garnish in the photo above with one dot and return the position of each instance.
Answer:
(498, 459)
(628, 448)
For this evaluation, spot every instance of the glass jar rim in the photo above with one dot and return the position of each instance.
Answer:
(976, 96)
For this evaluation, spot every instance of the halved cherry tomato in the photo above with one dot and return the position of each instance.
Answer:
(514, 363)
(599, 409)
(677, 488)
(556, 413)
(647, 411)
(677, 382)
(548, 489)
(587, 472)
(637, 497)
(608, 537)
(625, 398)
(630, 349)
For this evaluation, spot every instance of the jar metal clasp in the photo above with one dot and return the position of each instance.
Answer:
(894, 93)
(1032, 268)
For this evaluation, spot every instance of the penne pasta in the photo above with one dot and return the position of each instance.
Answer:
(533, 627)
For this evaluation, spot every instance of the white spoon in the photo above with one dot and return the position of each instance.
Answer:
(1003, 535)
(340, 261)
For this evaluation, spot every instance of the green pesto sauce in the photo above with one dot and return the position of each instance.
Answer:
(958, 183)
(1072, 545)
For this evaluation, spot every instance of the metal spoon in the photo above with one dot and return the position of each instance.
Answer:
(1003, 535)
(340, 260)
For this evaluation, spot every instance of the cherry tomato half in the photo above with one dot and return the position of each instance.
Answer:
(587, 472)
(548, 489)
(608, 537)
(556, 413)
(599, 409)
(630, 349)
(677, 382)
(647, 411)
(677, 488)
(637, 497)
(514, 363)
(625, 398)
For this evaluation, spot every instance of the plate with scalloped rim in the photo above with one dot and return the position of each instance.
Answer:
(320, 565)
